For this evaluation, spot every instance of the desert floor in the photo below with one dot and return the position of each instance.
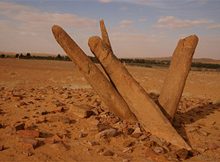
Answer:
(38, 123)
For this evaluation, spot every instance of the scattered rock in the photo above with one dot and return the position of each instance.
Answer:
(19, 126)
(128, 143)
(2, 126)
(182, 154)
(108, 153)
(158, 150)
(137, 133)
(157, 140)
(107, 133)
(44, 113)
(29, 143)
(93, 143)
(128, 150)
(102, 127)
(204, 133)
(213, 146)
(53, 139)
(82, 111)
(129, 131)
(28, 133)
(2, 147)
(83, 134)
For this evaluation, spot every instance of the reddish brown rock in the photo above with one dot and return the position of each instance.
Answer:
(28, 133)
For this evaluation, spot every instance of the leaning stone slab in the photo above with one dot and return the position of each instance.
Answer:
(176, 78)
(94, 76)
(146, 111)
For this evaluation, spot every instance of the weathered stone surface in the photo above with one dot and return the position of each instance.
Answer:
(93, 75)
(146, 111)
(178, 71)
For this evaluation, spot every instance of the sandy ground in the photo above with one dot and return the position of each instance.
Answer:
(37, 122)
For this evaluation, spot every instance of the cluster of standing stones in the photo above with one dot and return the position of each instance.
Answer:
(122, 94)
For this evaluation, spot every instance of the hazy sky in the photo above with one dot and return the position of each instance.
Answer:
(137, 28)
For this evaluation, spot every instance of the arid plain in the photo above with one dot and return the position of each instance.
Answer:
(38, 123)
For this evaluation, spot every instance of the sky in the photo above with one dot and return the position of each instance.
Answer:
(137, 28)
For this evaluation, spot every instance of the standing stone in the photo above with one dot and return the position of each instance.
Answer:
(94, 76)
(176, 78)
(146, 111)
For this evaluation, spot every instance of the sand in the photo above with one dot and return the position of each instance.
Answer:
(37, 124)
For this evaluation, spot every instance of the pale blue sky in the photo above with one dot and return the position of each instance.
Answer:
(137, 28)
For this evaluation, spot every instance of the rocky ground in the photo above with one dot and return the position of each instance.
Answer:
(48, 112)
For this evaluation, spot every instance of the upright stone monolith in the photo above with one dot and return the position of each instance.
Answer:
(176, 78)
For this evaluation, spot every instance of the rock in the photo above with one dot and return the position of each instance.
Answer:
(157, 140)
(137, 133)
(83, 134)
(19, 126)
(29, 143)
(129, 131)
(128, 150)
(82, 111)
(204, 133)
(108, 153)
(1, 126)
(107, 133)
(2, 147)
(93, 143)
(102, 127)
(53, 139)
(158, 150)
(213, 146)
(28, 133)
(182, 154)
(128, 143)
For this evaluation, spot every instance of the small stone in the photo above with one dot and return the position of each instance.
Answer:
(82, 111)
(93, 143)
(158, 150)
(204, 133)
(2, 147)
(29, 144)
(82, 135)
(128, 143)
(107, 133)
(126, 160)
(137, 133)
(44, 113)
(182, 154)
(28, 133)
(2, 126)
(108, 153)
(157, 140)
(19, 126)
(128, 150)
(129, 131)
(53, 139)
(213, 146)
(102, 127)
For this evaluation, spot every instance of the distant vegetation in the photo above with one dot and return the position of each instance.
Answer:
(128, 61)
